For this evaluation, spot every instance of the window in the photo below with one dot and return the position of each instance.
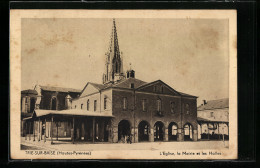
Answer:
(88, 105)
(75, 106)
(95, 105)
(211, 114)
(162, 89)
(132, 85)
(155, 88)
(187, 107)
(124, 103)
(144, 105)
(159, 105)
(172, 107)
(54, 103)
(81, 106)
(105, 103)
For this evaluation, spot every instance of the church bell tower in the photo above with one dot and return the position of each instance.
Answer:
(114, 63)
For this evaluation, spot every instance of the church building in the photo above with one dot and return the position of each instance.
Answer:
(122, 107)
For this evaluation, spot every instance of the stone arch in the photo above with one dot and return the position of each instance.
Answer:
(124, 130)
(188, 131)
(172, 131)
(159, 131)
(143, 131)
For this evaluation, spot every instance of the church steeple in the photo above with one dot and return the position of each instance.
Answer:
(114, 63)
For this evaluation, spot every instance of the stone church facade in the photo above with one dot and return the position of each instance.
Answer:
(123, 107)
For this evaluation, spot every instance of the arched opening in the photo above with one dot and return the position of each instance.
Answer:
(143, 131)
(172, 131)
(188, 129)
(54, 103)
(123, 130)
(158, 131)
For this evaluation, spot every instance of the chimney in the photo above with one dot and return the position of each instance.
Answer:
(204, 102)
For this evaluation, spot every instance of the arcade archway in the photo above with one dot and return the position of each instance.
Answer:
(158, 131)
(123, 130)
(172, 131)
(143, 131)
(188, 130)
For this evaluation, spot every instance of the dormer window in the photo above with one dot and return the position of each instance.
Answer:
(132, 86)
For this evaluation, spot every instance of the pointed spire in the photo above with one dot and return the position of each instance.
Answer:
(114, 47)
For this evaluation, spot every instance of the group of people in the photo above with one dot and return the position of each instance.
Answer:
(126, 139)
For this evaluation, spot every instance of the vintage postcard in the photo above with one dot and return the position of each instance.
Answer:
(123, 84)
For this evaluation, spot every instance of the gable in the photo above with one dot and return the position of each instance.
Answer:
(158, 87)
(89, 89)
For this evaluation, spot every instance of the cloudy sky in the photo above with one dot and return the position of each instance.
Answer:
(190, 55)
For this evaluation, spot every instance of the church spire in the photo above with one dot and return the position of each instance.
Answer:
(114, 63)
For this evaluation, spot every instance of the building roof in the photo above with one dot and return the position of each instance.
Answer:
(59, 89)
(29, 91)
(125, 83)
(214, 104)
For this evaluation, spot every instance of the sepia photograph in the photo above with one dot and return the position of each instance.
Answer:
(121, 84)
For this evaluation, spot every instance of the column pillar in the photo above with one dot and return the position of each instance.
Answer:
(51, 129)
(57, 127)
(83, 129)
(201, 131)
(73, 129)
(180, 134)
(45, 130)
(25, 133)
(218, 132)
(114, 134)
(166, 138)
(33, 130)
(93, 130)
(208, 130)
(39, 132)
(151, 137)
(195, 135)
(136, 134)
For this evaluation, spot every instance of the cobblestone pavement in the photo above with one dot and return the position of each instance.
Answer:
(82, 146)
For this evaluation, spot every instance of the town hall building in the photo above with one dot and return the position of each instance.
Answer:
(121, 107)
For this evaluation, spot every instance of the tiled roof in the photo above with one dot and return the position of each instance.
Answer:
(59, 89)
(29, 91)
(185, 94)
(125, 83)
(98, 86)
(214, 104)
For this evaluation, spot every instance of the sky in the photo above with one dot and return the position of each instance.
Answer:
(190, 55)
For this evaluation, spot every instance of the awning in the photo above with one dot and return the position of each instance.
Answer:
(70, 112)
